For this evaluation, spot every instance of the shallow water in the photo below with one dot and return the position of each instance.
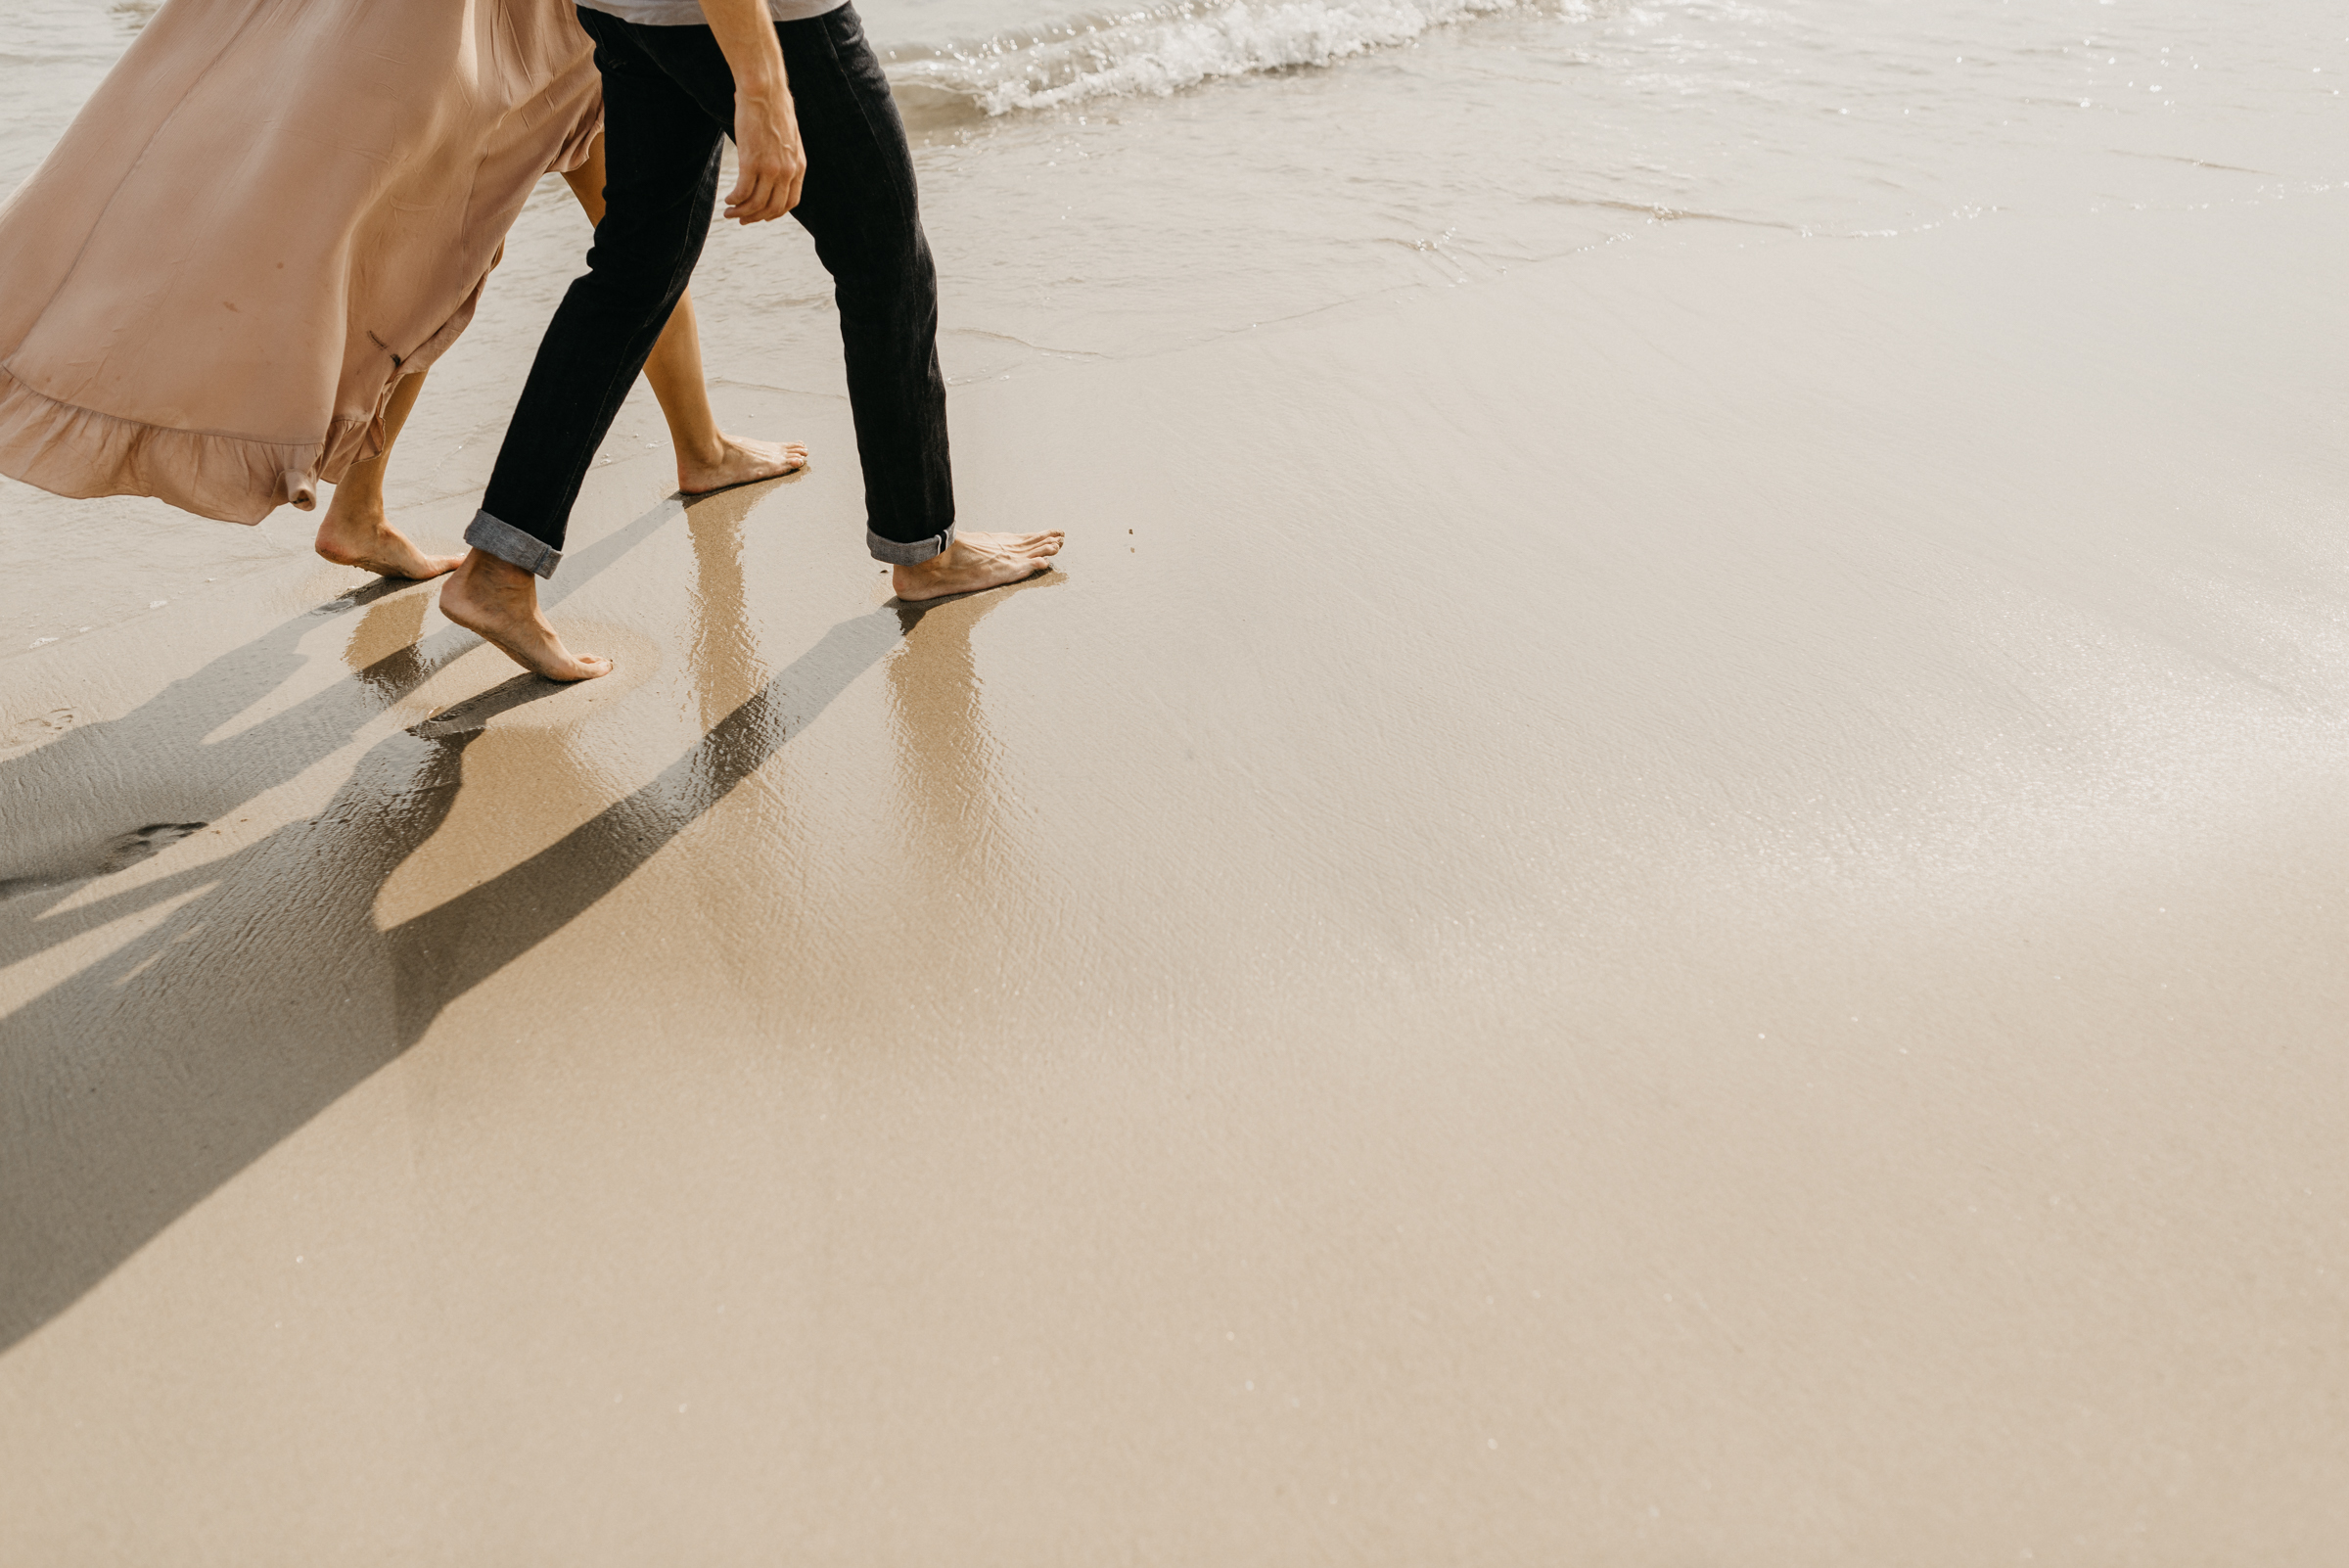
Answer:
(1127, 181)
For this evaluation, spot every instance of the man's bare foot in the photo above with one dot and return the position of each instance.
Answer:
(359, 535)
(737, 461)
(976, 561)
(499, 602)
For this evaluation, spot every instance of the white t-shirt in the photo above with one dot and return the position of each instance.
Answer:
(688, 13)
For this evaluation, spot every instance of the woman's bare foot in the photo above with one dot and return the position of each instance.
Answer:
(499, 602)
(736, 461)
(976, 561)
(357, 534)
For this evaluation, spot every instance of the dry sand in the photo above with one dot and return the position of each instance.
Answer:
(1686, 907)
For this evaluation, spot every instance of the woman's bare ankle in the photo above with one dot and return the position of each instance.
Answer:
(355, 533)
(700, 456)
(354, 519)
(737, 460)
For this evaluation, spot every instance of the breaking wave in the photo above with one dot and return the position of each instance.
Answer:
(1157, 51)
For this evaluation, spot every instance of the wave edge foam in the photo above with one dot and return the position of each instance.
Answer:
(1163, 50)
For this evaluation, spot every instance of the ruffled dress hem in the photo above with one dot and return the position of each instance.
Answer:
(463, 147)
(82, 453)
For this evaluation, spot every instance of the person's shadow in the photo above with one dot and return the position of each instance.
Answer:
(261, 988)
(114, 785)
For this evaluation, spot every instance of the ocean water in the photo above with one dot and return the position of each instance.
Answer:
(1128, 181)
(1120, 179)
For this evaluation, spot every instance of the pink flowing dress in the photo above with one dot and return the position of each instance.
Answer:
(268, 213)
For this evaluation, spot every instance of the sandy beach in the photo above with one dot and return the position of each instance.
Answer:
(1682, 904)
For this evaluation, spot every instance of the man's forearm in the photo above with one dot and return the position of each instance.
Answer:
(745, 35)
(770, 163)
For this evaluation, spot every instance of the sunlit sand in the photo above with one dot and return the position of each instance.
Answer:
(1678, 905)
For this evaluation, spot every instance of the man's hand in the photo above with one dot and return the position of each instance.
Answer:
(774, 164)
(766, 129)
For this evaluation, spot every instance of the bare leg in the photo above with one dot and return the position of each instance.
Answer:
(976, 561)
(356, 532)
(499, 602)
(707, 458)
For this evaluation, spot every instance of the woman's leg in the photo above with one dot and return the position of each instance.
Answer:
(358, 532)
(707, 458)
(355, 532)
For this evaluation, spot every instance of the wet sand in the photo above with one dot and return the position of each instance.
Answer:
(1683, 906)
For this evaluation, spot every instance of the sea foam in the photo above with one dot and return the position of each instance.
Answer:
(1158, 50)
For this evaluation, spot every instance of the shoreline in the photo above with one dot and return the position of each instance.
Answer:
(1678, 907)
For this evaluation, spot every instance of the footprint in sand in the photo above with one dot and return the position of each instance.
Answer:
(117, 853)
(40, 728)
(126, 849)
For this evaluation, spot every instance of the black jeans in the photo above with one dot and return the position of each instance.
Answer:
(668, 97)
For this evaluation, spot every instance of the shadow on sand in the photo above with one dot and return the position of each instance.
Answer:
(261, 990)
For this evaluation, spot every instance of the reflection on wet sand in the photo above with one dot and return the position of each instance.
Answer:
(724, 654)
(383, 648)
(266, 990)
(950, 804)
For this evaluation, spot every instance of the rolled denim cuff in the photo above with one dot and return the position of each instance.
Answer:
(897, 552)
(495, 537)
